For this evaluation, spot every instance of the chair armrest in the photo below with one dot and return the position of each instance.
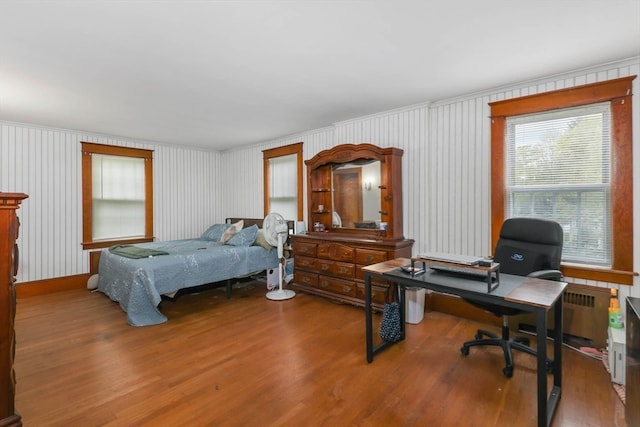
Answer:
(546, 274)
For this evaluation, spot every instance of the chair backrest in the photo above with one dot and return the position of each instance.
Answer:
(527, 245)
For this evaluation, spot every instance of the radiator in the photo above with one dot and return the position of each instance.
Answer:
(585, 314)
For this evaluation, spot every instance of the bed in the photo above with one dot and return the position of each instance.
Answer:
(136, 276)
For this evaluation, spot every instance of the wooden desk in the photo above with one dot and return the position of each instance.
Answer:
(525, 293)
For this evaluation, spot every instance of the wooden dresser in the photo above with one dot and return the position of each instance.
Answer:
(632, 373)
(9, 225)
(331, 266)
(354, 202)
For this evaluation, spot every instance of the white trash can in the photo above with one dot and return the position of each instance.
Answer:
(414, 305)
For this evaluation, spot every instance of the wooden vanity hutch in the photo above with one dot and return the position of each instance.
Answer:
(328, 260)
(9, 224)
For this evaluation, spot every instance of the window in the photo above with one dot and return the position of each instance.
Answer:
(566, 155)
(558, 167)
(283, 181)
(117, 199)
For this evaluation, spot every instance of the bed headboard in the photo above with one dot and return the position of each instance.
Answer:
(248, 222)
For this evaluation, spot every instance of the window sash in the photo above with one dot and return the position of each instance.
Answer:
(117, 177)
(558, 167)
(117, 219)
(283, 176)
(118, 190)
(283, 185)
(583, 213)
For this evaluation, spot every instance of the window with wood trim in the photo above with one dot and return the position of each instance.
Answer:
(117, 195)
(567, 155)
(282, 168)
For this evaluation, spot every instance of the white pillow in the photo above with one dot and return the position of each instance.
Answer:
(92, 283)
(231, 231)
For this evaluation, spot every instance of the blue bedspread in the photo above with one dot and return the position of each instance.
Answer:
(137, 284)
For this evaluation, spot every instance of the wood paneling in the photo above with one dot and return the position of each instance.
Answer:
(46, 164)
(446, 175)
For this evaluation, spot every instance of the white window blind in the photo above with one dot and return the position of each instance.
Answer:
(283, 180)
(558, 167)
(118, 189)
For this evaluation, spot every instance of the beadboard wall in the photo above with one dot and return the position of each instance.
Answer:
(45, 163)
(446, 176)
(446, 162)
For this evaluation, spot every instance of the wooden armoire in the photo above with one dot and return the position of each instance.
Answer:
(9, 225)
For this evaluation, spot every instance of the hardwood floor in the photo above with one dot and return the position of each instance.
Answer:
(249, 361)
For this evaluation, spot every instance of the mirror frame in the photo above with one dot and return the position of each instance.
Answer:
(319, 191)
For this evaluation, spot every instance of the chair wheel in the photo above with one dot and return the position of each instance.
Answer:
(464, 350)
(508, 371)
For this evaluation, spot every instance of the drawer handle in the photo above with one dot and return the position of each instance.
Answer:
(325, 267)
(306, 280)
(344, 270)
(369, 257)
(324, 284)
(346, 289)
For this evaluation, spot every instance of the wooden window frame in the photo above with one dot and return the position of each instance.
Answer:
(618, 92)
(280, 152)
(88, 149)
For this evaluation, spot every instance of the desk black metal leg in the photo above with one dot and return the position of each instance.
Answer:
(547, 406)
(403, 314)
(368, 312)
(368, 317)
(554, 396)
(541, 347)
(557, 348)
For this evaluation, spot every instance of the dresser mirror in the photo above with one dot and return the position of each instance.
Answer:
(356, 189)
(356, 195)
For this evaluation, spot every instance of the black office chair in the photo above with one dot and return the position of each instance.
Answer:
(526, 247)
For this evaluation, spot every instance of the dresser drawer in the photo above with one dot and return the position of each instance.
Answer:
(378, 293)
(337, 286)
(305, 278)
(374, 279)
(302, 248)
(368, 256)
(336, 268)
(336, 251)
(305, 263)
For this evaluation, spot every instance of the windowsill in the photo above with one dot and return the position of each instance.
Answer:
(599, 274)
(108, 243)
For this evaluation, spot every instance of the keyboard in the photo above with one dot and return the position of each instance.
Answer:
(453, 258)
(466, 273)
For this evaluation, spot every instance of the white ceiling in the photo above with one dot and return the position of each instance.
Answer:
(220, 74)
